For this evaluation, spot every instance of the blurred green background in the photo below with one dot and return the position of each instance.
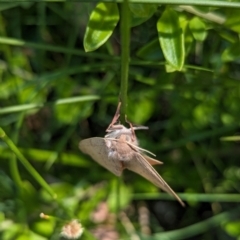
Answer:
(53, 94)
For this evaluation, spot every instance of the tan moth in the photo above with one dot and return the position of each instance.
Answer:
(119, 150)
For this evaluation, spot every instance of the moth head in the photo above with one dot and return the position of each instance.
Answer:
(116, 131)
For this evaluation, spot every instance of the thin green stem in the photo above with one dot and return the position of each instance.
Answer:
(125, 43)
(170, 2)
(40, 155)
(29, 106)
(210, 16)
(14, 171)
(13, 160)
(195, 197)
(47, 47)
(26, 164)
(230, 138)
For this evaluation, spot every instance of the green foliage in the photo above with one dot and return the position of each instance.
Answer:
(198, 29)
(102, 22)
(141, 12)
(57, 86)
(171, 38)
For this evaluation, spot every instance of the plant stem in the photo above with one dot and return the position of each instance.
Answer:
(217, 3)
(194, 197)
(26, 164)
(52, 48)
(125, 38)
(13, 160)
(29, 106)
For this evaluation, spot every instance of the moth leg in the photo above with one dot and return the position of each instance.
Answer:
(115, 118)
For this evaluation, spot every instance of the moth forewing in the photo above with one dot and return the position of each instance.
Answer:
(142, 166)
(97, 148)
(119, 150)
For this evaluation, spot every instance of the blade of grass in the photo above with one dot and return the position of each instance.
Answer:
(26, 164)
(196, 197)
(157, 64)
(41, 155)
(174, 2)
(24, 107)
(13, 160)
(230, 138)
(47, 47)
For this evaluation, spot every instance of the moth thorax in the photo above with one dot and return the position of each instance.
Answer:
(129, 138)
(119, 150)
(120, 156)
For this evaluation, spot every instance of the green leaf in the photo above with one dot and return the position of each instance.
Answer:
(169, 68)
(233, 228)
(171, 38)
(231, 53)
(136, 113)
(198, 28)
(230, 138)
(150, 51)
(102, 22)
(43, 227)
(232, 20)
(188, 37)
(141, 12)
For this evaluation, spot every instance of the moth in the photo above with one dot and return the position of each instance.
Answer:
(119, 150)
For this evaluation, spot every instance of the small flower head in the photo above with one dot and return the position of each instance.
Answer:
(44, 216)
(72, 230)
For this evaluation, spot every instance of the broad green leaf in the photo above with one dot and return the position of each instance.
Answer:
(136, 112)
(102, 22)
(232, 20)
(198, 28)
(141, 12)
(171, 38)
(169, 68)
(233, 228)
(188, 38)
(231, 53)
(27, 234)
(151, 51)
(229, 36)
(135, 21)
(43, 227)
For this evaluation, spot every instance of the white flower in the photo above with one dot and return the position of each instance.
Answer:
(72, 230)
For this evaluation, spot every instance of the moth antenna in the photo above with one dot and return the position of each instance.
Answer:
(115, 118)
(140, 127)
(142, 149)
